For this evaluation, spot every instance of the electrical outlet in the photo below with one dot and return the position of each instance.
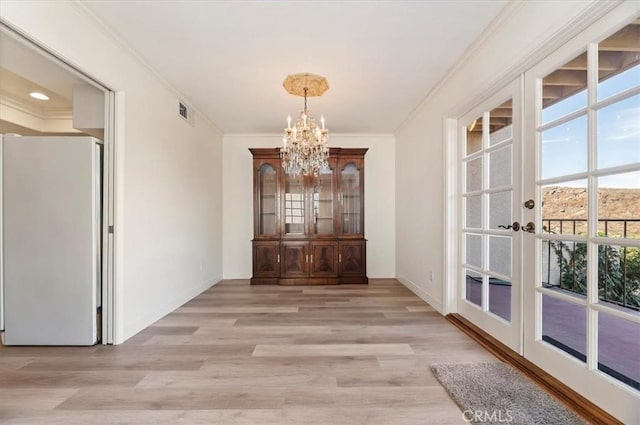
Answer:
(430, 275)
(201, 267)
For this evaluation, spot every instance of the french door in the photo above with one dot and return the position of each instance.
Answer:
(582, 269)
(491, 232)
(549, 214)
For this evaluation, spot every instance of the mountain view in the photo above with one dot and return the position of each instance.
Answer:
(569, 203)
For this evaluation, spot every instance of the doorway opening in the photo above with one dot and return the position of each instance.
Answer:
(57, 144)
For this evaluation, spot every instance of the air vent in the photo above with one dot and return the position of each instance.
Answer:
(185, 112)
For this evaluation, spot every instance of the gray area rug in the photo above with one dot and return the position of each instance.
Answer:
(496, 393)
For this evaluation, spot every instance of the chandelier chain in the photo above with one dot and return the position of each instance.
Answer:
(306, 89)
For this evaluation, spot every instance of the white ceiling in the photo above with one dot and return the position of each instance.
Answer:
(229, 58)
(28, 63)
(24, 69)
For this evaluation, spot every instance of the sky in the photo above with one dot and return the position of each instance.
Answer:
(564, 148)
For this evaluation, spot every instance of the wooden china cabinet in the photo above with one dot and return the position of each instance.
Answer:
(309, 230)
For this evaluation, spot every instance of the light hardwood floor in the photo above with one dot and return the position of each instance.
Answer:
(237, 354)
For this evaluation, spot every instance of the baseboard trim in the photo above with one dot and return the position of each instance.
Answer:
(574, 401)
(421, 293)
(159, 313)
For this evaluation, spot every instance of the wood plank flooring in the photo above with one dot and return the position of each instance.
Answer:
(237, 354)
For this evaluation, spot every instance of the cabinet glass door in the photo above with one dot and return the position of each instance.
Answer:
(267, 187)
(322, 214)
(294, 217)
(350, 199)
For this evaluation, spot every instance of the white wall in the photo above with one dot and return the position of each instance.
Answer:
(510, 45)
(419, 207)
(379, 180)
(169, 206)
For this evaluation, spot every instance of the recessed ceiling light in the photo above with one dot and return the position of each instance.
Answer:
(38, 95)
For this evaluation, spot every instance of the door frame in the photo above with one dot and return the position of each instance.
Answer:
(112, 163)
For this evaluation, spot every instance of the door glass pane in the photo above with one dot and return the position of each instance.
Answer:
(473, 171)
(473, 282)
(620, 82)
(267, 200)
(618, 68)
(619, 276)
(501, 135)
(564, 325)
(323, 202)
(619, 349)
(619, 205)
(565, 266)
(619, 133)
(499, 209)
(550, 271)
(564, 90)
(500, 297)
(474, 136)
(294, 204)
(500, 254)
(500, 120)
(564, 208)
(473, 211)
(500, 167)
(351, 203)
(564, 149)
(473, 250)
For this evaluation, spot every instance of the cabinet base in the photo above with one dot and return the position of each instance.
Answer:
(354, 280)
(264, 280)
(309, 281)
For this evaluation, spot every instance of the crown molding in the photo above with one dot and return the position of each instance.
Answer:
(54, 120)
(493, 26)
(43, 114)
(117, 38)
(595, 10)
(279, 135)
(579, 23)
(19, 106)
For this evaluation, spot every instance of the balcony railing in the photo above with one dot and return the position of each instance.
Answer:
(618, 267)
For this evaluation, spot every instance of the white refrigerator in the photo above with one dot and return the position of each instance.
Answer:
(51, 239)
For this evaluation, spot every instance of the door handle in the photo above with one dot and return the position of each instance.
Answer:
(530, 227)
(515, 226)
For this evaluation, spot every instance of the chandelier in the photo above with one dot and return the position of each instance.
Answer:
(304, 149)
